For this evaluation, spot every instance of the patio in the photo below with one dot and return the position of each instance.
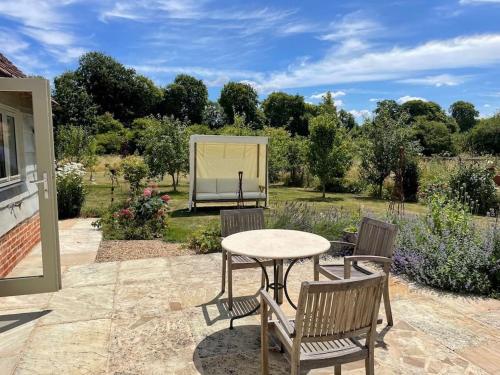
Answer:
(165, 316)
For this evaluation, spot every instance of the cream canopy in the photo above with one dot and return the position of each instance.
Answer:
(220, 158)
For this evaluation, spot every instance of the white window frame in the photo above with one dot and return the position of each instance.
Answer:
(12, 179)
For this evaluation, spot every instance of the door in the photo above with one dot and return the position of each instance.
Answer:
(29, 242)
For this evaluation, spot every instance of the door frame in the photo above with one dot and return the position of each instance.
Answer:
(50, 281)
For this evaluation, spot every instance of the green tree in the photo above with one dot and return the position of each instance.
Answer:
(327, 105)
(297, 156)
(240, 98)
(484, 138)
(384, 137)
(166, 149)
(431, 111)
(329, 151)
(465, 114)
(115, 88)
(72, 143)
(284, 110)
(434, 137)
(213, 115)
(111, 135)
(74, 106)
(134, 171)
(389, 107)
(347, 119)
(185, 99)
(279, 143)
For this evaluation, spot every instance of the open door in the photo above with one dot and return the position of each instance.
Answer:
(29, 242)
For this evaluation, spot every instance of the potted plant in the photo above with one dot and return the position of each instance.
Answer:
(350, 234)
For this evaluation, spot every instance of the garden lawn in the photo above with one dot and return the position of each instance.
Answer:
(182, 223)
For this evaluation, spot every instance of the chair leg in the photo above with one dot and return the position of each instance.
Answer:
(295, 366)
(264, 340)
(224, 264)
(338, 370)
(230, 280)
(262, 280)
(280, 280)
(370, 364)
(316, 267)
(387, 303)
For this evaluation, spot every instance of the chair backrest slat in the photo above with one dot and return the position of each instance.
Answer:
(342, 308)
(375, 238)
(241, 220)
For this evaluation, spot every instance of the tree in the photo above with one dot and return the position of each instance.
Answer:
(115, 88)
(484, 138)
(284, 110)
(134, 171)
(166, 148)
(74, 106)
(390, 107)
(185, 99)
(465, 114)
(279, 144)
(327, 105)
(347, 119)
(239, 98)
(214, 116)
(434, 137)
(72, 143)
(329, 152)
(111, 135)
(297, 153)
(429, 110)
(384, 137)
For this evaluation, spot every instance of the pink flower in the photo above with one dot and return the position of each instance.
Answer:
(147, 193)
(125, 212)
(165, 198)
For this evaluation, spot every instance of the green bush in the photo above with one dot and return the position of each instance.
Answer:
(134, 171)
(411, 175)
(70, 190)
(207, 239)
(474, 186)
(143, 217)
(484, 138)
(434, 137)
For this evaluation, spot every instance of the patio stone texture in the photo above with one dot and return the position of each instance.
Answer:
(167, 316)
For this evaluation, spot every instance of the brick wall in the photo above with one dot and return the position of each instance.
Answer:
(17, 243)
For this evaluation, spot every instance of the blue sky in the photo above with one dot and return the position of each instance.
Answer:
(442, 50)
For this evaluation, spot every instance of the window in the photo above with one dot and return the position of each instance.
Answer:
(9, 157)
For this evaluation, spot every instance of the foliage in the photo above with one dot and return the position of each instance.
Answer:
(434, 137)
(143, 217)
(327, 105)
(136, 131)
(347, 119)
(73, 143)
(329, 151)
(444, 249)
(214, 116)
(411, 175)
(206, 239)
(420, 109)
(166, 148)
(239, 98)
(284, 110)
(239, 127)
(279, 144)
(389, 108)
(115, 88)
(384, 137)
(185, 99)
(134, 171)
(74, 105)
(484, 138)
(297, 156)
(111, 135)
(465, 114)
(70, 189)
(474, 185)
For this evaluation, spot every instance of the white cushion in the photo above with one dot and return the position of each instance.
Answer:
(206, 185)
(228, 196)
(227, 185)
(250, 184)
(207, 196)
(254, 195)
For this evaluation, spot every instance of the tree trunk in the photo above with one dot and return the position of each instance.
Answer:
(324, 190)
(380, 186)
(174, 182)
(177, 178)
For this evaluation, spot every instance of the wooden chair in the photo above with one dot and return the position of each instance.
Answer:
(331, 316)
(235, 221)
(375, 244)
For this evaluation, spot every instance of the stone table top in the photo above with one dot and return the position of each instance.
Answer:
(275, 244)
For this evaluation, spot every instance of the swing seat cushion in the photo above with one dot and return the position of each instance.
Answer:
(213, 189)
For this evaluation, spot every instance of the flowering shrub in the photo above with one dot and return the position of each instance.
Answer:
(134, 171)
(445, 249)
(143, 217)
(206, 239)
(70, 189)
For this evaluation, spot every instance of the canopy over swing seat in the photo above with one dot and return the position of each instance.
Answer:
(214, 165)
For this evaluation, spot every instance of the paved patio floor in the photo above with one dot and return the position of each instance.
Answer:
(166, 316)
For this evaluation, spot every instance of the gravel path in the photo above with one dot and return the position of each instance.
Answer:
(110, 251)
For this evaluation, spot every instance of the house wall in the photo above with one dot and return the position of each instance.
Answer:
(19, 220)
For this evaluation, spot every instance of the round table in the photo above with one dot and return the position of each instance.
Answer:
(274, 244)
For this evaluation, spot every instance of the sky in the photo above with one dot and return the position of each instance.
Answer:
(361, 51)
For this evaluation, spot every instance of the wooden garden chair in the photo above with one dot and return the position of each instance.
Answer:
(235, 221)
(375, 244)
(335, 323)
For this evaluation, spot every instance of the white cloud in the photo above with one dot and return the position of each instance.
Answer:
(473, 2)
(396, 63)
(407, 98)
(437, 81)
(335, 94)
(352, 25)
(375, 99)
(363, 113)
(487, 106)
(338, 103)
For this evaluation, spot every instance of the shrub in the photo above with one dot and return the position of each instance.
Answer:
(70, 190)
(207, 239)
(444, 249)
(474, 185)
(485, 136)
(411, 176)
(434, 137)
(134, 171)
(143, 217)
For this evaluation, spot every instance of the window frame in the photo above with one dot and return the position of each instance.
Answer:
(12, 179)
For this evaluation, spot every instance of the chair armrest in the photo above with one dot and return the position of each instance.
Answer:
(372, 258)
(343, 243)
(266, 297)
